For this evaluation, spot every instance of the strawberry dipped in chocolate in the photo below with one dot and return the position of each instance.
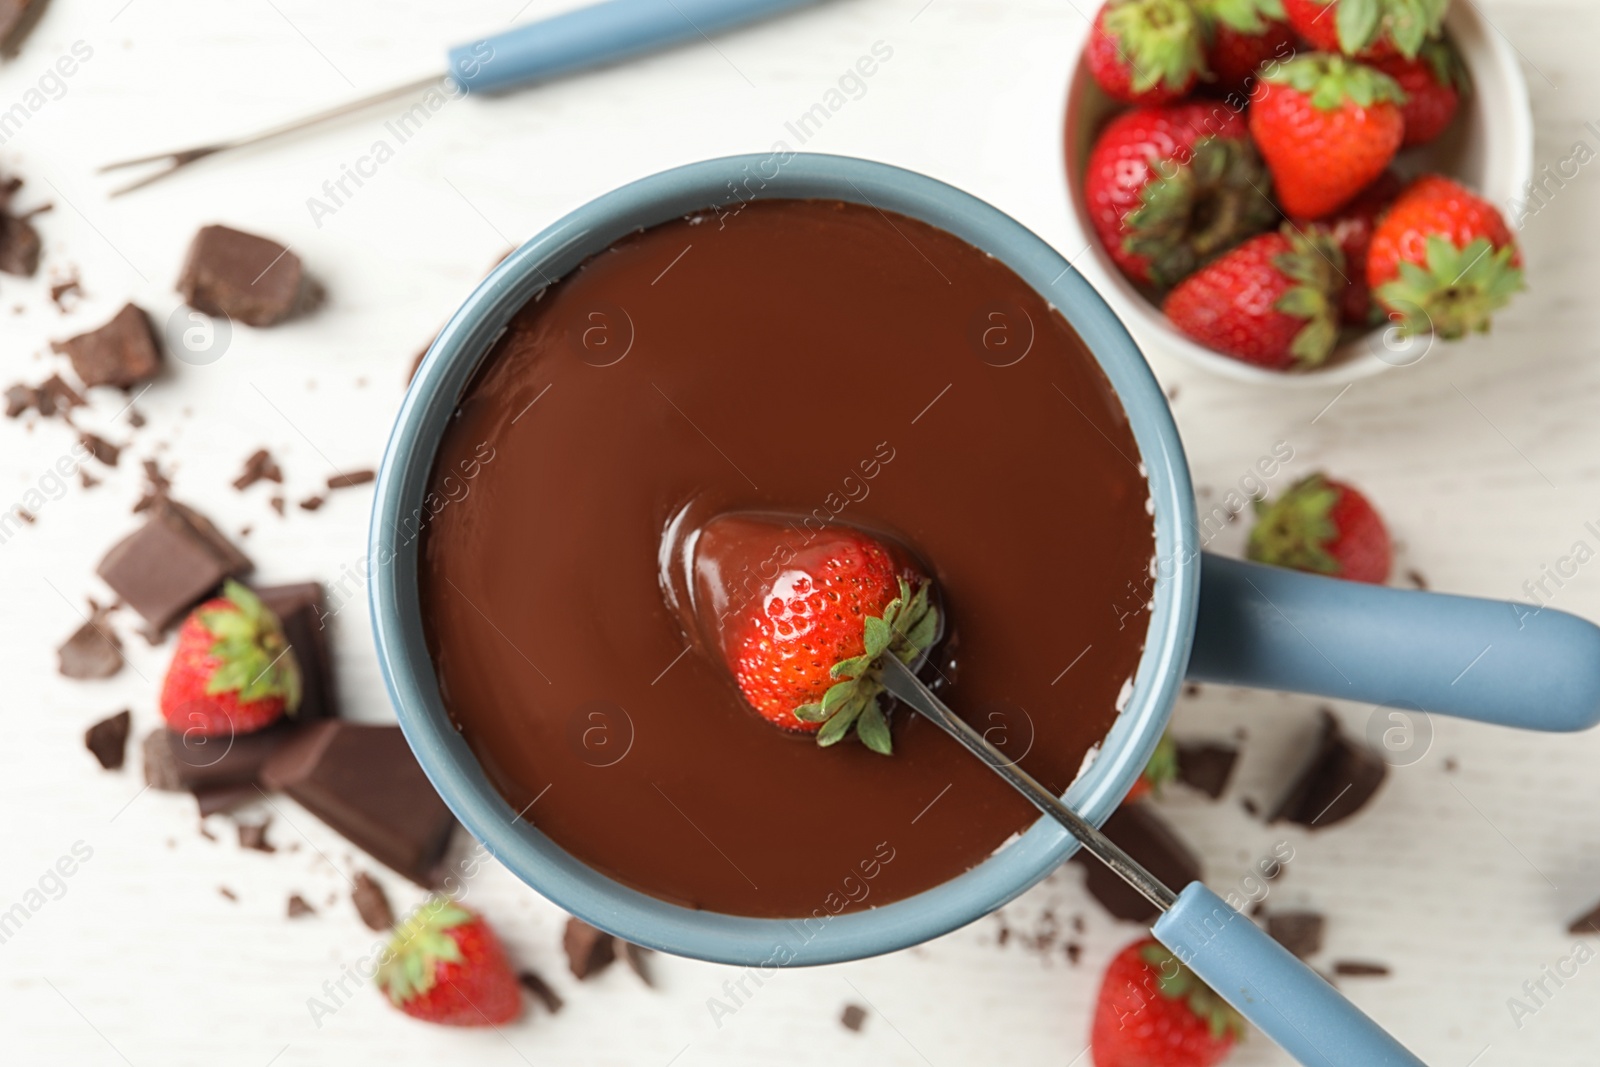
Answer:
(803, 616)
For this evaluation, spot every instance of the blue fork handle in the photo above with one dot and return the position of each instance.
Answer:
(1279, 995)
(600, 33)
(1489, 660)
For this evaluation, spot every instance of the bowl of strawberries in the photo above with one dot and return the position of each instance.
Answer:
(1299, 191)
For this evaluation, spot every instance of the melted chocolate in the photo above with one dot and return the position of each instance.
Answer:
(804, 357)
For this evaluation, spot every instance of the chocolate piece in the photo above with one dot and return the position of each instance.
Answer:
(260, 465)
(535, 984)
(55, 395)
(19, 243)
(298, 906)
(589, 951)
(1415, 578)
(108, 740)
(19, 398)
(1206, 767)
(245, 277)
(63, 289)
(301, 611)
(254, 836)
(216, 799)
(634, 956)
(277, 503)
(1360, 969)
(345, 481)
(123, 352)
(364, 782)
(853, 1017)
(87, 480)
(175, 761)
(170, 563)
(135, 417)
(101, 449)
(311, 503)
(228, 893)
(372, 903)
(17, 18)
(93, 651)
(1586, 924)
(1337, 781)
(1146, 837)
(1298, 931)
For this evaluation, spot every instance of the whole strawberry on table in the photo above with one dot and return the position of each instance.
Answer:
(444, 965)
(1253, 191)
(1324, 527)
(1153, 1012)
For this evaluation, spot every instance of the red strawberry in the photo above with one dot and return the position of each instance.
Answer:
(233, 671)
(1370, 29)
(1327, 128)
(805, 648)
(1273, 301)
(444, 965)
(1433, 83)
(1443, 259)
(1154, 1012)
(1324, 527)
(1171, 188)
(1146, 51)
(1241, 35)
(1158, 773)
(1352, 227)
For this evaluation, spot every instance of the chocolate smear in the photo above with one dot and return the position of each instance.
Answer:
(108, 740)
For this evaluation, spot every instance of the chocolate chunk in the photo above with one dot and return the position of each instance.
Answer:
(1149, 840)
(372, 903)
(589, 951)
(853, 1017)
(215, 799)
(535, 984)
(254, 836)
(364, 782)
(108, 740)
(299, 906)
(101, 449)
(1586, 924)
(19, 243)
(93, 650)
(302, 613)
(1337, 781)
(170, 563)
(176, 761)
(345, 481)
(1360, 969)
(1206, 767)
(17, 18)
(252, 279)
(311, 503)
(1298, 931)
(123, 352)
(635, 956)
(259, 466)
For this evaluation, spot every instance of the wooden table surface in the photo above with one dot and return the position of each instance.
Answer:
(1462, 877)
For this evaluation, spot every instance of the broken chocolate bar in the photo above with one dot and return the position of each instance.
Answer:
(239, 275)
(301, 611)
(108, 740)
(589, 950)
(177, 761)
(1338, 780)
(170, 563)
(363, 781)
(123, 352)
(1206, 767)
(1153, 844)
(1298, 931)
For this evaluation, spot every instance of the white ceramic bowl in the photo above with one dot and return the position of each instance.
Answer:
(1489, 147)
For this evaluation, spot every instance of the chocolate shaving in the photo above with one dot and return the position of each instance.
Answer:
(1360, 969)
(20, 245)
(372, 903)
(258, 467)
(277, 503)
(226, 892)
(108, 740)
(311, 503)
(535, 984)
(345, 481)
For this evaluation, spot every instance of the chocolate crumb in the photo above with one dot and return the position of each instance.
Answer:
(1190, 690)
(230, 894)
(1450, 765)
(353, 478)
(135, 418)
(87, 480)
(63, 289)
(535, 984)
(589, 951)
(1298, 931)
(1415, 578)
(27, 516)
(298, 906)
(258, 466)
(277, 503)
(101, 449)
(1250, 806)
(372, 903)
(853, 1018)
(1360, 969)
(311, 503)
(108, 740)
(254, 836)
(1074, 952)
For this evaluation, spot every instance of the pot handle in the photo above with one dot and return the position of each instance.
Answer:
(1489, 660)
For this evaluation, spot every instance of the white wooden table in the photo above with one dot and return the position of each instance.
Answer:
(1483, 457)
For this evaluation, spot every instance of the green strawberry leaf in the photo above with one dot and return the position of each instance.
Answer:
(1161, 41)
(1296, 530)
(874, 730)
(834, 730)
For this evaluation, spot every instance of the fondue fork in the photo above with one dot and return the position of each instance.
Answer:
(1285, 999)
